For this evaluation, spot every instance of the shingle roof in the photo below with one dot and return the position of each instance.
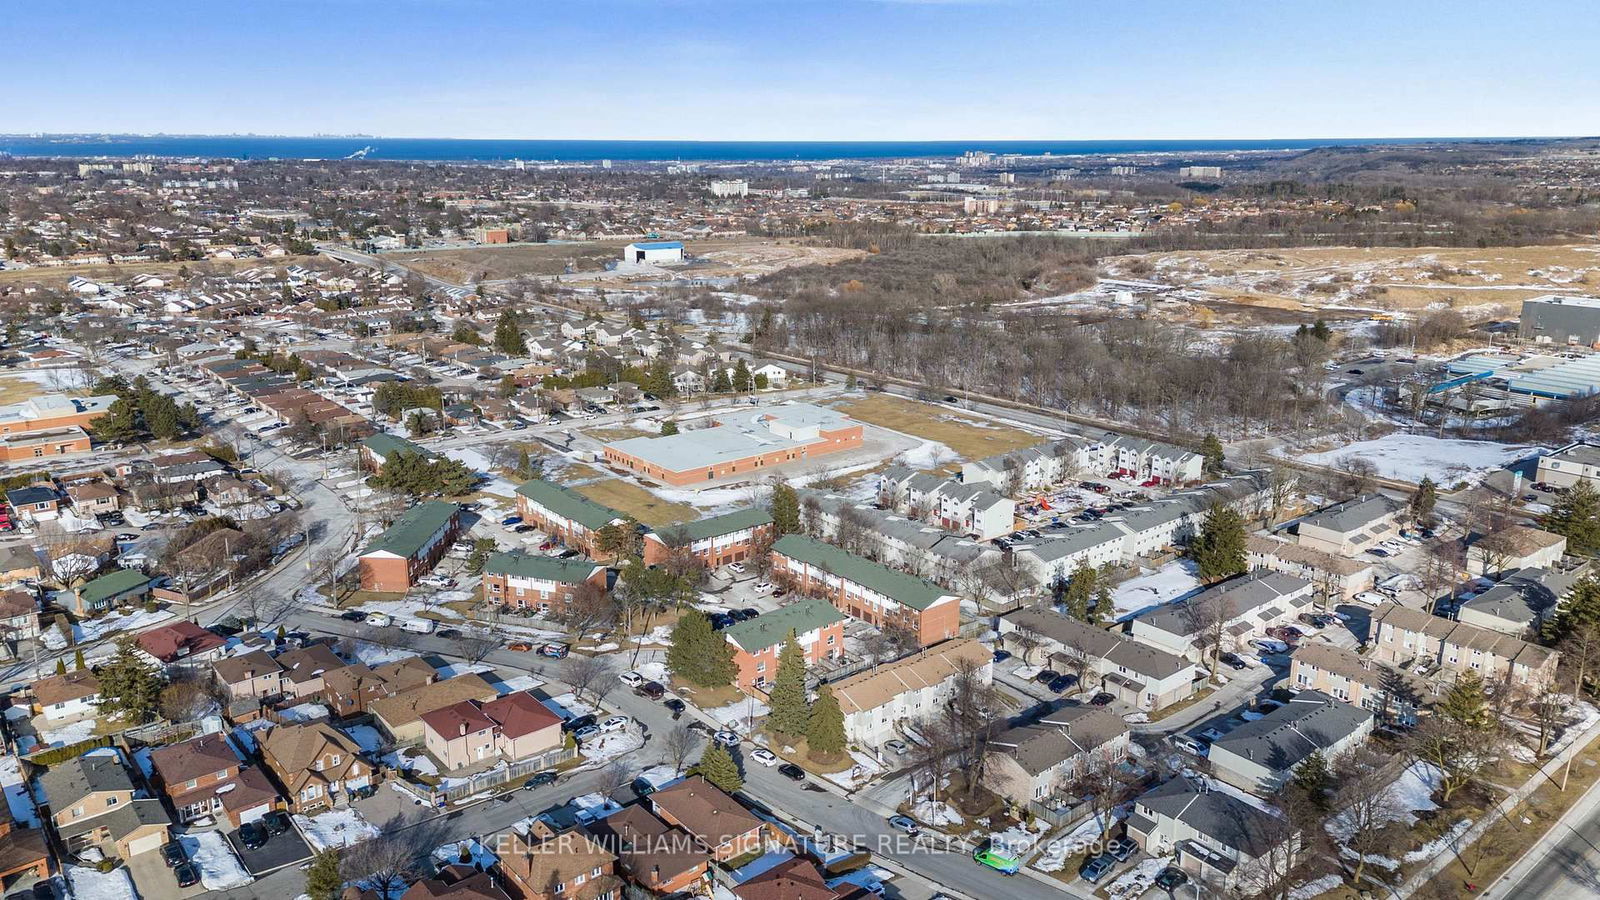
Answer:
(1353, 514)
(407, 707)
(874, 687)
(66, 783)
(1310, 722)
(798, 618)
(716, 526)
(1462, 634)
(909, 590)
(204, 755)
(73, 685)
(539, 566)
(569, 504)
(705, 811)
(387, 445)
(1141, 659)
(1043, 744)
(107, 586)
(1220, 816)
(1236, 597)
(412, 531)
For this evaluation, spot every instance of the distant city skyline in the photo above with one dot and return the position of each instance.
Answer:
(771, 70)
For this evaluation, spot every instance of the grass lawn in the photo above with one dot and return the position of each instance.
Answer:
(618, 433)
(356, 598)
(970, 438)
(797, 752)
(578, 472)
(1179, 707)
(633, 500)
(16, 390)
(706, 698)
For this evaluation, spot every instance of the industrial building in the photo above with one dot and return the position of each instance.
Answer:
(1561, 319)
(744, 443)
(653, 252)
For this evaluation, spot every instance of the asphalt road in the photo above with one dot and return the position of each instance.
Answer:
(1564, 865)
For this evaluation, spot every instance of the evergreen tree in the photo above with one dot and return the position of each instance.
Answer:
(77, 660)
(464, 333)
(161, 418)
(130, 686)
(1422, 502)
(790, 711)
(1211, 449)
(1079, 592)
(1313, 777)
(1321, 331)
(1467, 703)
(698, 654)
(669, 428)
(1103, 604)
(61, 667)
(720, 383)
(716, 765)
(825, 737)
(120, 424)
(658, 380)
(1576, 515)
(323, 881)
(508, 335)
(1581, 606)
(785, 509)
(741, 375)
(1219, 549)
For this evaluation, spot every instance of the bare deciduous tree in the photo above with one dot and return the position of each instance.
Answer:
(680, 744)
(585, 673)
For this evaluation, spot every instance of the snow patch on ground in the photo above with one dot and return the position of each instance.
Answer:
(94, 629)
(17, 795)
(611, 745)
(220, 870)
(1408, 457)
(935, 813)
(88, 884)
(81, 730)
(338, 828)
(1315, 888)
(1138, 879)
(1166, 584)
(927, 455)
(478, 854)
(737, 715)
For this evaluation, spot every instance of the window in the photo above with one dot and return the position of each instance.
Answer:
(334, 760)
(595, 872)
(761, 667)
(111, 801)
(559, 887)
(193, 783)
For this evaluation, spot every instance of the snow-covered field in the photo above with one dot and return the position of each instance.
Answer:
(1166, 584)
(95, 629)
(738, 714)
(612, 745)
(220, 870)
(17, 795)
(338, 828)
(1408, 457)
(88, 884)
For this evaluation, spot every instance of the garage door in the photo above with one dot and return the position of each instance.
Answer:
(146, 843)
(254, 813)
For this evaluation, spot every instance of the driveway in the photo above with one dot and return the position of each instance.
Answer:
(153, 879)
(281, 850)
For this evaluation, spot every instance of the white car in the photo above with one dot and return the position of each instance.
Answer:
(631, 679)
(726, 738)
(615, 723)
(737, 567)
(764, 756)
(763, 586)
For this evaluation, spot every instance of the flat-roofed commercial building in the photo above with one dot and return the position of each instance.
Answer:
(53, 411)
(742, 443)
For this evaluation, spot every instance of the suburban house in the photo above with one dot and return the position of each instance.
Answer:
(204, 777)
(379, 448)
(651, 853)
(350, 690)
(317, 764)
(1044, 756)
(1514, 547)
(92, 803)
(181, 643)
(539, 582)
(746, 442)
(22, 849)
(19, 616)
(798, 878)
(564, 514)
(1570, 465)
(1260, 756)
(187, 465)
(715, 541)
(34, 503)
(1334, 576)
(1137, 673)
(305, 669)
(1427, 643)
(721, 824)
(68, 695)
(91, 498)
(1249, 604)
(1394, 696)
(1520, 602)
(410, 547)
(515, 726)
(878, 703)
(866, 590)
(249, 676)
(816, 626)
(1213, 834)
(121, 587)
(451, 882)
(401, 715)
(1351, 527)
(566, 866)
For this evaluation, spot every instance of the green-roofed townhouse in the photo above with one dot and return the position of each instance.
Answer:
(110, 591)
(866, 590)
(411, 547)
(378, 449)
(715, 541)
(817, 627)
(564, 513)
(543, 583)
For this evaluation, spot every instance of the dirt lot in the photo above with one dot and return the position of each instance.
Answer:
(725, 256)
(1481, 283)
(631, 499)
(970, 438)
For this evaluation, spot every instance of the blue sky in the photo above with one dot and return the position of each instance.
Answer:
(776, 70)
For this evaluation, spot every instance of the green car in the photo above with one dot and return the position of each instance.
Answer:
(997, 860)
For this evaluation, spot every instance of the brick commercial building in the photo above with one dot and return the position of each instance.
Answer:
(53, 412)
(564, 514)
(743, 443)
(817, 627)
(411, 547)
(865, 590)
(715, 541)
(544, 583)
(41, 444)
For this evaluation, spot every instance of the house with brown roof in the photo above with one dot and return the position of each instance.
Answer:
(204, 777)
(651, 853)
(350, 690)
(19, 616)
(69, 695)
(92, 498)
(22, 849)
(720, 823)
(1513, 547)
(1427, 643)
(565, 866)
(453, 882)
(1044, 756)
(305, 667)
(249, 676)
(512, 727)
(317, 764)
(1335, 576)
(1394, 695)
(401, 715)
(796, 879)
(181, 643)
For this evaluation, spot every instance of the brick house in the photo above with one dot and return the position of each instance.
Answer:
(249, 676)
(720, 823)
(411, 547)
(182, 644)
(534, 581)
(350, 690)
(817, 628)
(400, 716)
(513, 727)
(305, 668)
(651, 853)
(92, 498)
(22, 849)
(866, 590)
(317, 764)
(715, 541)
(566, 866)
(204, 777)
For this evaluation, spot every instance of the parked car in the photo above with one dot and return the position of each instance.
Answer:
(524, 529)
(651, 689)
(764, 756)
(1045, 676)
(450, 633)
(1101, 699)
(1121, 848)
(576, 723)
(276, 822)
(127, 537)
(1269, 646)
(792, 772)
(586, 732)
(1191, 745)
(904, 823)
(737, 567)
(897, 747)
(631, 679)
(1001, 656)
(1062, 683)
(762, 587)
(253, 836)
(555, 650)
(508, 521)
(1171, 878)
(726, 738)
(1233, 661)
(615, 723)
(540, 779)
(1213, 734)
(720, 621)
(172, 854)
(1096, 869)
(188, 875)
(353, 615)
(677, 706)
(519, 646)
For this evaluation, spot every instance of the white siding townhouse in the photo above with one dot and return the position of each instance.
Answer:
(896, 698)
(1137, 673)
(1052, 463)
(970, 509)
(1252, 603)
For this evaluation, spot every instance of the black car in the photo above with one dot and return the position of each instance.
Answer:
(523, 528)
(750, 612)
(1233, 661)
(276, 822)
(1001, 656)
(353, 615)
(1062, 683)
(792, 772)
(449, 632)
(1101, 699)
(720, 621)
(572, 725)
(253, 836)
(676, 705)
(1046, 676)
(737, 615)
(188, 875)
(651, 689)
(539, 780)
(172, 854)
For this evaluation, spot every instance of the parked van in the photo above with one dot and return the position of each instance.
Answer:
(379, 619)
(418, 626)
